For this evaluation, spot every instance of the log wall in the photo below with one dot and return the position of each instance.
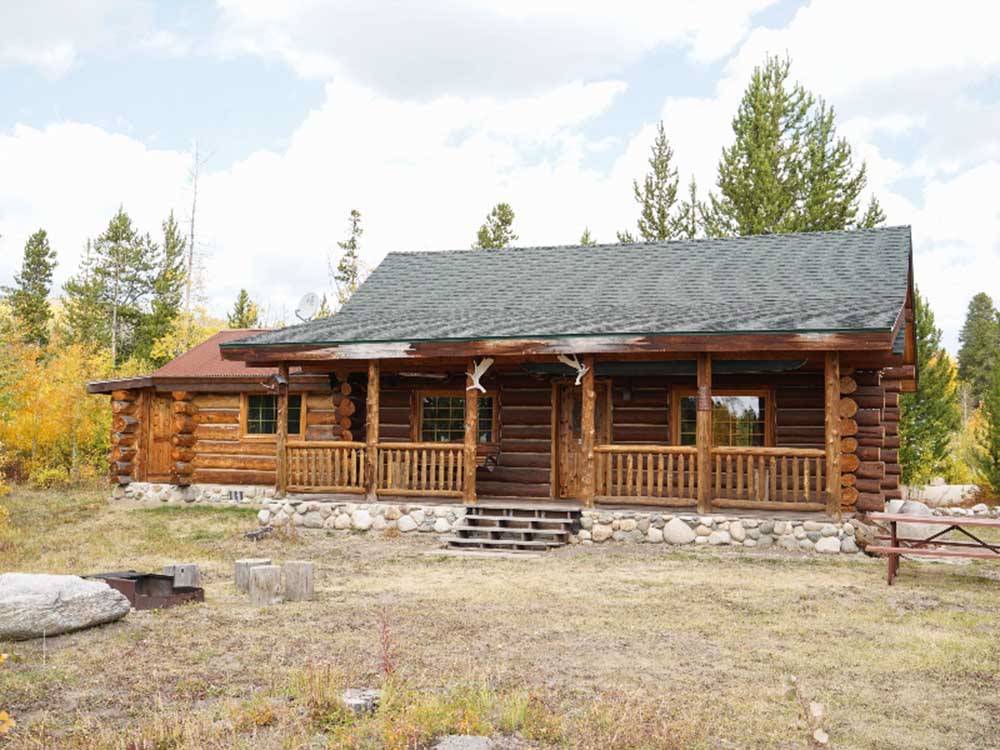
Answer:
(125, 435)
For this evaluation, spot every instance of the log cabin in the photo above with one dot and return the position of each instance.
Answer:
(750, 373)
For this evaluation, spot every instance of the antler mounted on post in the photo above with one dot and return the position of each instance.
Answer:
(581, 369)
(478, 371)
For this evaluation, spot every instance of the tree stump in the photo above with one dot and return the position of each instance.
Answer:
(265, 585)
(185, 574)
(298, 581)
(243, 568)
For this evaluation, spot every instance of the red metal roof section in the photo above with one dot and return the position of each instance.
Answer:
(205, 360)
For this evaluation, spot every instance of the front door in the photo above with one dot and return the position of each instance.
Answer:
(568, 449)
(161, 429)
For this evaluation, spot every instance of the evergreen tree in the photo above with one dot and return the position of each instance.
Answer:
(874, 216)
(980, 345)
(168, 290)
(347, 277)
(786, 170)
(688, 222)
(987, 455)
(585, 239)
(245, 313)
(84, 320)
(29, 297)
(626, 238)
(657, 195)
(930, 416)
(498, 230)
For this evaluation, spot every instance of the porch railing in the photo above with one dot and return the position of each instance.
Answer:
(326, 466)
(647, 474)
(769, 478)
(427, 469)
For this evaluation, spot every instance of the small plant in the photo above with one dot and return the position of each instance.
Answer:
(48, 478)
(386, 644)
(813, 713)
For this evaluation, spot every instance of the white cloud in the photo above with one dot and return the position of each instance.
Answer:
(420, 50)
(52, 35)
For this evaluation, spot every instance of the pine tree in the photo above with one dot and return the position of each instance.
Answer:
(29, 297)
(688, 222)
(347, 277)
(168, 289)
(987, 454)
(980, 345)
(585, 239)
(657, 195)
(626, 238)
(498, 230)
(787, 170)
(930, 416)
(84, 319)
(874, 216)
(245, 313)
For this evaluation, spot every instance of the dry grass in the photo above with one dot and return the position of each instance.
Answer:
(612, 647)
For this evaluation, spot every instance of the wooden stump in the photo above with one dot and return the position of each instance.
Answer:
(243, 568)
(265, 585)
(298, 581)
(185, 574)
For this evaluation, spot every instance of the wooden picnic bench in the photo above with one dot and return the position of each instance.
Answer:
(934, 545)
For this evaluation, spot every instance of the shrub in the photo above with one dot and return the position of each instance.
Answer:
(48, 478)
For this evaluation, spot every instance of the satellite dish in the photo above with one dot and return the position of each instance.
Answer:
(308, 306)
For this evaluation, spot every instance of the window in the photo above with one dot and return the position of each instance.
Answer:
(262, 414)
(442, 418)
(737, 420)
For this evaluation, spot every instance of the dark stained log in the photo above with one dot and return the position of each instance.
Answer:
(869, 453)
(890, 481)
(892, 494)
(893, 469)
(526, 431)
(800, 417)
(868, 417)
(892, 386)
(891, 428)
(872, 401)
(873, 486)
(486, 488)
(890, 414)
(870, 470)
(868, 377)
(904, 372)
(868, 502)
(891, 441)
(892, 400)
(890, 456)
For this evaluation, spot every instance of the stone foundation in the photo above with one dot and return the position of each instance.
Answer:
(195, 493)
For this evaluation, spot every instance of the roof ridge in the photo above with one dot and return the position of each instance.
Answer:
(653, 243)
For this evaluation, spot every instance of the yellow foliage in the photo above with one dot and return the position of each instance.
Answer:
(189, 330)
(49, 420)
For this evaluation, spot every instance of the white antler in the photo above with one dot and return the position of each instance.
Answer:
(477, 372)
(575, 364)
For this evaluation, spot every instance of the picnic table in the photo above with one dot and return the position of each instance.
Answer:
(935, 545)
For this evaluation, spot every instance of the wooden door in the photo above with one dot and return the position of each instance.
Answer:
(568, 450)
(161, 429)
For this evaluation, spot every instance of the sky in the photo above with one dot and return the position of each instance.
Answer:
(423, 114)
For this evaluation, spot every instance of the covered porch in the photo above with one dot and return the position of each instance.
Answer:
(547, 429)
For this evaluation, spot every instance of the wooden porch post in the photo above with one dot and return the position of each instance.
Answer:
(831, 375)
(281, 439)
(471, 437)
(588, 431)
(703, 432)
(371, 431)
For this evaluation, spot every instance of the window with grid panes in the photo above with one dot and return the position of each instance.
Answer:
(262, 414)
(442, 419)
(737, 421)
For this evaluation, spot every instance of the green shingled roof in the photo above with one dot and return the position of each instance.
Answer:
(849, 281)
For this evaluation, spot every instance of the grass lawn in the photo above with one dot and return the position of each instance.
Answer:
(591, 647)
